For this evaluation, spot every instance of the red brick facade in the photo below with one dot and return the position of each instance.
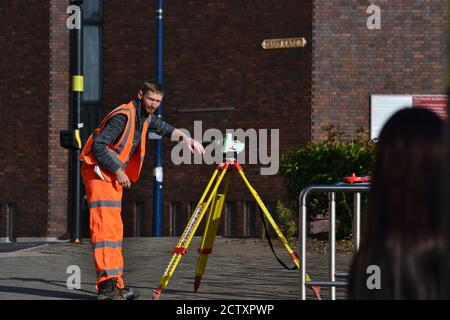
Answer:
(212, 59)
(59, 73)
(350, 62)
(34, 106)
(24, 138)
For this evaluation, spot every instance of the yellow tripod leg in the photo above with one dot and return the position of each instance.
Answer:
(190, 229)
(209, 235)
(208, 240)
(283, 240)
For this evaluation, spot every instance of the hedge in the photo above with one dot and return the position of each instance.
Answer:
(327, 162)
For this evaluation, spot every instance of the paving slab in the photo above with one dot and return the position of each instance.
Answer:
(238, 269)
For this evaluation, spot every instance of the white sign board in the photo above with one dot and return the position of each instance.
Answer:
(382, 107)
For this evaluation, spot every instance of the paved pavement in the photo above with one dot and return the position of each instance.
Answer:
(238, 269)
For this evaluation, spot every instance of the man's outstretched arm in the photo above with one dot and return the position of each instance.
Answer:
(193, 145)
(164, 129)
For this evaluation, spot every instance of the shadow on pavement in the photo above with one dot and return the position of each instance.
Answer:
(61, 284)
(46, 293)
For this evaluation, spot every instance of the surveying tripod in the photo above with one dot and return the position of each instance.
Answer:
(216, 200)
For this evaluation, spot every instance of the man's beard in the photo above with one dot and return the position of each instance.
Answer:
(144, 110)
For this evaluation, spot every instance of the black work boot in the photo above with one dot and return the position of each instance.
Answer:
(108, 290)
(129, 294)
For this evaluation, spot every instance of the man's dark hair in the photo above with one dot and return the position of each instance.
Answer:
(152, 86)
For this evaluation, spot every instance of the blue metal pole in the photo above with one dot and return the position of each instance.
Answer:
(158, 160)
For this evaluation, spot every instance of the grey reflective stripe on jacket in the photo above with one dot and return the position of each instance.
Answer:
(107, 244)
(110, 133)
(105, 203)
(109, 272)
(125, 139)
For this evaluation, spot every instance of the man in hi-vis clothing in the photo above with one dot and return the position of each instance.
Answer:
(112, 159)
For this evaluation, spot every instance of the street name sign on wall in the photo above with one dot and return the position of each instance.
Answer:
(283, 43)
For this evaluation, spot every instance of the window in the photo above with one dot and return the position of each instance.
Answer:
(11, 215)
(231, 219)
(251, 210)
(139, 219)
(177, 219)
(92, 9)
(91, 60)
(92, 66)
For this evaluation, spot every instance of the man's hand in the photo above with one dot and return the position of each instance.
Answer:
(123, 179)
(194, 145)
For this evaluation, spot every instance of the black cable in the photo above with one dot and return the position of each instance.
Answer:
(271, 246)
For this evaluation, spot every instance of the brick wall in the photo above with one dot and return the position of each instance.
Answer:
(24, 89)
(212, 58)
(58, 119)
(350, 62)
(34, 91)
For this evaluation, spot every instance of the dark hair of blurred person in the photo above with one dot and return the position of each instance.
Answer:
(404, 230)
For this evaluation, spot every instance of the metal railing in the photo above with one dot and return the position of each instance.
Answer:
(356, 189)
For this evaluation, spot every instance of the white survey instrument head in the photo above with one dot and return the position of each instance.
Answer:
(230, 145)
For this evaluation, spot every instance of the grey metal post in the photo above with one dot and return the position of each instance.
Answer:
(332, 243)
(357, 221)
(303, 252)
(330, 189)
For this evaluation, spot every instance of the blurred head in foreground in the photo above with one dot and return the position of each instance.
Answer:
(404, 232)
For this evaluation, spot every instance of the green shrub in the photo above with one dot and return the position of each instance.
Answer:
(285, 219)
(327, 162)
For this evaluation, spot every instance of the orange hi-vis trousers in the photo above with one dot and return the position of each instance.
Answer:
(106, 226)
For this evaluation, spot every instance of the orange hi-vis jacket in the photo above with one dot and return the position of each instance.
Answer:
(120, 151)
(104, 196)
